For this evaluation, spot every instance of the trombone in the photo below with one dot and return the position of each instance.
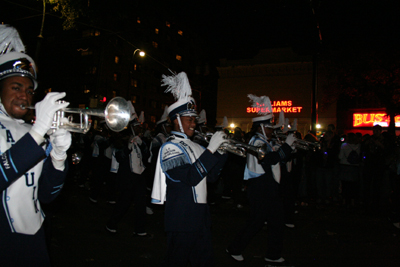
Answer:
(116, 114)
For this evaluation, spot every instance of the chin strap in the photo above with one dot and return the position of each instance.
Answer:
(180, 123)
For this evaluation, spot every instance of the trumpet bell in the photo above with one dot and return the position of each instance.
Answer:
(117, 114)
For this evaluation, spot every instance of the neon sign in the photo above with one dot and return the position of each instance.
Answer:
(371, 119)
(277, 106)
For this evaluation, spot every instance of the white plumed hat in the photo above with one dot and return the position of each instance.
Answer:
(13, 60)
(180, 88)
(264, 109)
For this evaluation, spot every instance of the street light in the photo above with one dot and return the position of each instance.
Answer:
(141, 53)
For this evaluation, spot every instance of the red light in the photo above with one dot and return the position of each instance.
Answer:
(103, 100)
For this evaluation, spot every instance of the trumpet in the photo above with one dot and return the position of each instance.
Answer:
(300, 143)
(236, 147)
(242, 149)
(116, 114)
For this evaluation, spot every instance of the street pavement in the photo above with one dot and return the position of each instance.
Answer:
(323, 235)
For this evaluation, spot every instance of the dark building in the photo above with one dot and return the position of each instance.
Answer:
(99, 59)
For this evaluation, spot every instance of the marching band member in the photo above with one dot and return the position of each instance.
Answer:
(127, 162)
(263, 187)
(163, 130)
(183, 168)
(32, 171)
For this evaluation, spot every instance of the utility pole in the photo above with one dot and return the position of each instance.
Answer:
(314, 99)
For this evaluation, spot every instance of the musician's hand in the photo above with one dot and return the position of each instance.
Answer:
(216, 141)
(45, 110)
(60, 141)
(135, 139)
(290, 139)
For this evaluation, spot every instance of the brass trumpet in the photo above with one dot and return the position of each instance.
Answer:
(116, 114)
(300, 143)
(242, 149)
(236, 147)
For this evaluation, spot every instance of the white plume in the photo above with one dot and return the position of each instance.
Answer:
(133, 114)
(10, 40)
(281, 120)
(178, 85)
(225, 122)
(141, 117)
(286, 126)
(294, 125)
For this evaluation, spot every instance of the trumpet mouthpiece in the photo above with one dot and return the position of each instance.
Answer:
(25, 107)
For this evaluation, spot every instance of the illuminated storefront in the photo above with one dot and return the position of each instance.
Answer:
(362, 120)
(372, 119)
(277, 106)
(280, 74)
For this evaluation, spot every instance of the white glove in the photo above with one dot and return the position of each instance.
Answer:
(134, 140)
(45, 110)
(290, 139)
(60, 141)
(137, 140)
(216, 141)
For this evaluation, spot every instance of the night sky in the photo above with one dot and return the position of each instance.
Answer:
(241, 28)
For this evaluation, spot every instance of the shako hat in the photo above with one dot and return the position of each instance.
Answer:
(264, 109)
(179, 86)
(13, 60)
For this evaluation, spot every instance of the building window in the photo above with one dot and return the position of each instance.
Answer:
(153, 104)
(114, 94)
(178, 57)
(86, 52)
(156, 31)
(89, 33)
(133, 99)
(116, 59)
(155, 44)
(116, 77)
(134, 83)
(167, 24)
(153, 119)
(134, 67)
(180, 32)
(138, 20)
(163, 106)
(86, 91)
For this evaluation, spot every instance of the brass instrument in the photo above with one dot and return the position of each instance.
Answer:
(236, 147)
(116, 114)
(300, 143)
(242, 149)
